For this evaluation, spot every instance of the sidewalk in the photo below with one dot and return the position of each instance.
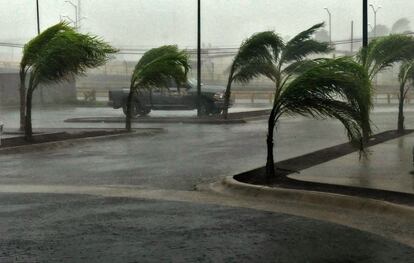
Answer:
(388, 167)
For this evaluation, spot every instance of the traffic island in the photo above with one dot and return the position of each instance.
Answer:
(255, 184)
(48, 138)
(233, 118)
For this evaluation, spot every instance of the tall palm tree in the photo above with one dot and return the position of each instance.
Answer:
(59, 55)
(335, 88)
(30, 53)
(253, 51)
(384, 52)
(406, 78)
(320, 88)
(154, 69)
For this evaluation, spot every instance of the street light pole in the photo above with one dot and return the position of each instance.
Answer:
(38, 18)
(198, 58)
(330, 25)
(42, 100)
(364, 23)
(375, 10)
(76, 13)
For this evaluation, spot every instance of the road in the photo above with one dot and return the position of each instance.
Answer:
(48, 225)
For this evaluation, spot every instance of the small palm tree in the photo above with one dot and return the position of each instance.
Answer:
(384, 52)
(406, 78)
(30, 54)
(337, 88)
(252, 52)
(58, 55)
(154, 69)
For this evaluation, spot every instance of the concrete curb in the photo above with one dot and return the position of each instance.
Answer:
(184, 120)
(71, 142)
(230, 186)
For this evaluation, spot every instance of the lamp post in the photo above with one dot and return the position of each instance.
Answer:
(76, 13)
(42, 100)
(364, 23)
(375, 10)
(330, 25)
(37, 15)
(198, 58)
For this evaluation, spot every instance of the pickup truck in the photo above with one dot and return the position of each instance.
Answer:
(171, 98)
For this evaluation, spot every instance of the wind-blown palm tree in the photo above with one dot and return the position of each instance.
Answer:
(406, 78)
(59, 55)
(335, 88)
(30, 54)
(154, 69)
(384, 52)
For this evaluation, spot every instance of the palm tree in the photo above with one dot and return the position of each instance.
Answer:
(406, 75)
(154, 69)
(320, 88)
(30, 53)
(58, 55)
(384, 52)
(268, 46)
(335, 88)
(253, 52)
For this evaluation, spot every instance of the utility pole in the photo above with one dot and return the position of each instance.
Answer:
(38, 18)
(364, 23)
(198, 58)
(352, 37)
(38, 32)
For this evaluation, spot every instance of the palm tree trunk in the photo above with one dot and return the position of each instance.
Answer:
(270, 163)
(129, 109)
(22, 99)
(227, 94)
(401, 110)
(28, 125)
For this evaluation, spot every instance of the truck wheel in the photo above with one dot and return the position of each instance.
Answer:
(204, 108)
(134, 110)
(144, 112)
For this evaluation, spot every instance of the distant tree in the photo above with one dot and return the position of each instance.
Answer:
(58, 54)
(322, 35)
(154, 69)
(401, 26)
(379, 30)
(406, 78)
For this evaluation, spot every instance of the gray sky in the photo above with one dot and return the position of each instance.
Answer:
(149, 23)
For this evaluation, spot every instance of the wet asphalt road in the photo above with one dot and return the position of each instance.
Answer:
(72, 228)
(79, 228)
(182, 157)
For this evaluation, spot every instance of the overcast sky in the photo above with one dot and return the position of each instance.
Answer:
(148, 23)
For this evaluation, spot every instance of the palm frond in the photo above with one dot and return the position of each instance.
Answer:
(302, 45)
(160, 64)
(33, 48)
(383, 52)
(336, 88)
(254, 68)
(258, 47)
(68, 54)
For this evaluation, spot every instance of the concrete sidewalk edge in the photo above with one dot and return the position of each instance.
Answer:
(230, 186)
(70, 142)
